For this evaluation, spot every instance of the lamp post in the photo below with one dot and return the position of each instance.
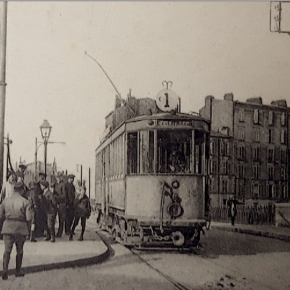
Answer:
(45, 130)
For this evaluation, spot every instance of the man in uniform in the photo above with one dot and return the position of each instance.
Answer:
(17, 212)
(70, 193)
(61, 199)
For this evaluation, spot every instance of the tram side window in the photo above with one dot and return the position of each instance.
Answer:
(132, 153)
(174, 151)
(146, 151)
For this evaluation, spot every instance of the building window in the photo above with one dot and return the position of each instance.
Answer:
(283, 156)
(224, 185)
(225, 167)
(283, 173)
(256, 135)
(283, 119)
(271, 136)
(256, 117)
(270, 121)
(255, 191)
(256, 170)
(270, 154)
(272, 191)
(242, 115)
(241, 152)
(222, 148)
(241, 172)
(284, 194)
(212, 147)
(241, 190)
(241, 133)
(270, 172)
(213, 167)
(283, 136)
(257, 153)
(227, 148)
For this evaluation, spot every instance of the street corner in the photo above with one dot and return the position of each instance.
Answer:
(45, 255)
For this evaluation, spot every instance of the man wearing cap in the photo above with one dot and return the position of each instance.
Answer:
(70, 193)
(50, 210)
(61, 199)
(17, 212)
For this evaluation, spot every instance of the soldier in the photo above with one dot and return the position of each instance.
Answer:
(70, 193)
(50, 210)
(82, 211)
(33, 199)
(61, 199)
(17, 212)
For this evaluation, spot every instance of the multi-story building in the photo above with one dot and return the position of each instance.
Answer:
(258, 154)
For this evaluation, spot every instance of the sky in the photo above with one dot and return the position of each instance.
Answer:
(204, 48)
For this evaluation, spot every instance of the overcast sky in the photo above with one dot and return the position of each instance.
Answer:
(204, 48)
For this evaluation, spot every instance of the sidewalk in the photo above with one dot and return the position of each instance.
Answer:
(45, 255)
(281, 233)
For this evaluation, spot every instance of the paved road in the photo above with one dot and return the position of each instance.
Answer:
(227, 261)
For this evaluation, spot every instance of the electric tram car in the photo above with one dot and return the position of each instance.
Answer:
(151, 171)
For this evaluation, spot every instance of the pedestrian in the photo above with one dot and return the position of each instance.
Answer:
(40, 215)
(33, 200)
(70, 193)
(50, 210)
(17, 212)
(61, 199)
(8, 186)
(232, 209)
(82, 211)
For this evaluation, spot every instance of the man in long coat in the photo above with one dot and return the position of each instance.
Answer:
(17, 213)
(70, 193)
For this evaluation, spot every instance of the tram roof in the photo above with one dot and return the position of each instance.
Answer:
(167, 116)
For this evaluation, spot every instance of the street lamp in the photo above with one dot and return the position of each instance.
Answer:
(45, 130)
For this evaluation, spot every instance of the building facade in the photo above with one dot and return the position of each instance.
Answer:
(258, 138)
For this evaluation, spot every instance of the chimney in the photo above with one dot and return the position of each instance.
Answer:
(229, 97)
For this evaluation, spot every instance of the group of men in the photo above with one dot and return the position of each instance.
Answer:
(31, 211)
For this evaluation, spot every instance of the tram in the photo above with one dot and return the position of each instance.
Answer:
(151, 173)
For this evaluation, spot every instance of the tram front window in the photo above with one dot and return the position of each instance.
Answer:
(174, 149)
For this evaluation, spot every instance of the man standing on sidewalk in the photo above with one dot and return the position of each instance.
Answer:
(50, 210)
(61, 199)
(17, 212)
(232, 209)
(70, 193)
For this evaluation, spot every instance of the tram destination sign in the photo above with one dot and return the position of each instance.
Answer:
(174, 123)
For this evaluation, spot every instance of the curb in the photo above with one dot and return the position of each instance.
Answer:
(255, 233)
(63, 265)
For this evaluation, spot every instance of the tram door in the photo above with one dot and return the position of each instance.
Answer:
(103, 193)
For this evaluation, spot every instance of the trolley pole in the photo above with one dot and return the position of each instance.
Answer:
(3, 32)
(89, 183)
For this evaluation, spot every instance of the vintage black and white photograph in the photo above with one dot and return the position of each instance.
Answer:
(144, 145)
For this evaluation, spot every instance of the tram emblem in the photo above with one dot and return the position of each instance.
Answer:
(166, 99)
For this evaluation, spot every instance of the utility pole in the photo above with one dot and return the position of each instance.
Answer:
(3, 32)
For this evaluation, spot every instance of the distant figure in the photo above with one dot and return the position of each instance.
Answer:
(17, 212)
(82, 211)
(176, 160)
(70, 193)
(232, 209)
